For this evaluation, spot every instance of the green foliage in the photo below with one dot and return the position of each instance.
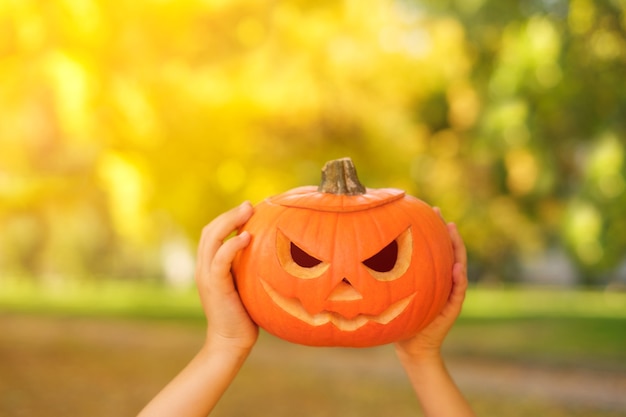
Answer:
(126, 126)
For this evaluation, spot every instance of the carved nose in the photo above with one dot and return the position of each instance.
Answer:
(345, 291)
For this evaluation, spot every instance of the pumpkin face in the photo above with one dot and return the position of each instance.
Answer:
(344, 270)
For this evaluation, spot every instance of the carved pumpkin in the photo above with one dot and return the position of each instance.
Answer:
(342, 265)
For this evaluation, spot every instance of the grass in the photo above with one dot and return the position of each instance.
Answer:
(571, 327)
(560, 326)
(596, 343)
(568, 324)
(545, 302)
(121, 341)
(145, 299)
(105, 298)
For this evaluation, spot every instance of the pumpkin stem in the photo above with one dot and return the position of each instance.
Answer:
(339, 177)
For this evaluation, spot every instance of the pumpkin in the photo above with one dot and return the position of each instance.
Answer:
(344, 265)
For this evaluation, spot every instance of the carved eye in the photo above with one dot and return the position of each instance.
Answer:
(385, 260)
(302, 258)
(392, 261)
(296, 261)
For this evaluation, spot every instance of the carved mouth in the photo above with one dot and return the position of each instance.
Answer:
(293, 307)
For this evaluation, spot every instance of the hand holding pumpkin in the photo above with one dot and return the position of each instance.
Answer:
(229, 325)
(421, 355)
(230, 333)
(429, 340)
(348, 313)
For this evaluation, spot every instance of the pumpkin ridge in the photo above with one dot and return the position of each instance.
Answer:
(437, 279)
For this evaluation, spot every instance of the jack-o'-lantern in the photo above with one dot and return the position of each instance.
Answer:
(342, 265)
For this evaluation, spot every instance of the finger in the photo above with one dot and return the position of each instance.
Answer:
(214, 234)
(438, 211)
(223, 225)
(460, 253)
(459, 279)
(457, 294)
(459, 272)
(221, 264)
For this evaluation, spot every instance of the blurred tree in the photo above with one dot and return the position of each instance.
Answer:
(126, 125)
(547, 75)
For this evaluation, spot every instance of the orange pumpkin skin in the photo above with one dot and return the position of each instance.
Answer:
(341, 301)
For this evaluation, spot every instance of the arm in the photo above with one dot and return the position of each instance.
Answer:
(230, 333)
(421, 355)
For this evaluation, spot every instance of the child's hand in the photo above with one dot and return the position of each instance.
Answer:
(429, 340)
(231, 333)
(229, 325)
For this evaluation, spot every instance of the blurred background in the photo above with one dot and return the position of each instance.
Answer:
(125, 126)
